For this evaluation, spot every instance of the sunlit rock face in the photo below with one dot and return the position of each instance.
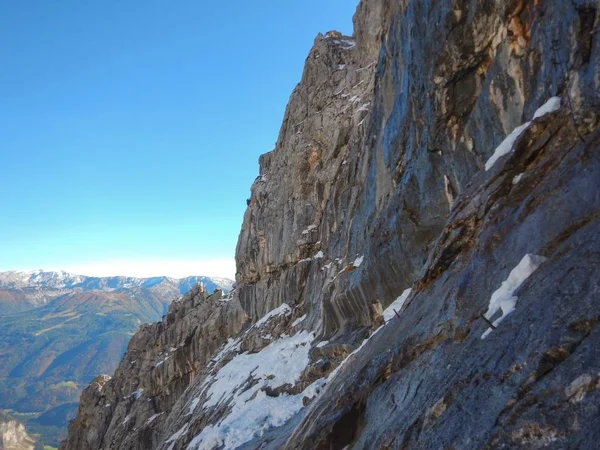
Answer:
(408, 276)
(13, 435)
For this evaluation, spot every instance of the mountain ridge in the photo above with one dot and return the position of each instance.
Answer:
(24, 290)
(418, 263)
(63, 279)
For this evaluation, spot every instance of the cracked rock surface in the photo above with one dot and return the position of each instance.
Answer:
(378, 184)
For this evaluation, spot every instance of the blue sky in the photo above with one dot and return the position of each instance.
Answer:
(130, 131)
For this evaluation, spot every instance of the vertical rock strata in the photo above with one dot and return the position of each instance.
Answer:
(376, 185)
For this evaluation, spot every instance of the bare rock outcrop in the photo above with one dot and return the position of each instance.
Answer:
(162, 360)
(13, 435)
(418, 262)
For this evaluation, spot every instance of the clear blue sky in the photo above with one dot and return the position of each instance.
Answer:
(130, 130)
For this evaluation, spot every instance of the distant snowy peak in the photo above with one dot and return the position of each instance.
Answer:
(19, 279)
(59, 280)
(64, 280)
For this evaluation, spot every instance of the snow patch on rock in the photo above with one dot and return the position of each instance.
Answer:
(506, 146)
(396, 305)
(503, 298)
(242, 384)
(298, 320)
(282, 310)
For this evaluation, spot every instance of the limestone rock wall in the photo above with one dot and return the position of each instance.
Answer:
(371, 157)
(162, 360)
(377, 184)
(438, 376)
(13, 435)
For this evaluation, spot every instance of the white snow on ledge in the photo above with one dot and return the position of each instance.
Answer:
(506, 146)
(153, 418)
(310, 228)
(230, 345)
(193, 406)
(177, 435)
(396, 305)
(517, 178)
(358, 261)
(161, 362)
(283, 309)
(502, 298)
(550, 106)
(345, 44)
(252, 411)
(298, 320)
(318, 255)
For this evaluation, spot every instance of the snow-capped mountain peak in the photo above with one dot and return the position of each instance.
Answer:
(65, 280)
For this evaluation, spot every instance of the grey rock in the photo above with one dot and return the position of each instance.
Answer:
(13, 435)
(162, 360)
(376, 184)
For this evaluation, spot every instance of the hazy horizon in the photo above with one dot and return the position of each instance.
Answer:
(223, 268)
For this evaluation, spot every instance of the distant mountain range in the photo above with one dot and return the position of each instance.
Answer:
(59, 330)
(21, 291)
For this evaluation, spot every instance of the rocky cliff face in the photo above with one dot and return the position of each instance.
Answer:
(442, 164)
(13, 435)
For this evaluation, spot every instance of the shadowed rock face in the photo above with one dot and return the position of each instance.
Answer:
(428, 379)
(377, 184)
